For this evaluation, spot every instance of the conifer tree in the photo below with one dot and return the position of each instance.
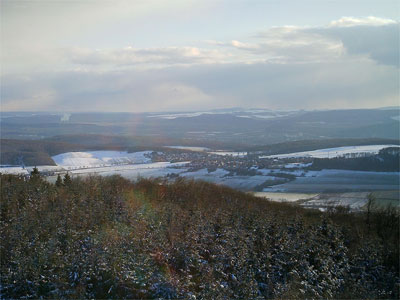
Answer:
(59, 182)
(67, 180)
(35, 172)
(35, 175)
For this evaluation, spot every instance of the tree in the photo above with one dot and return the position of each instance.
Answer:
(35, 175)
(371, 205)
(59, 182)
(67, 180)
(35, 172)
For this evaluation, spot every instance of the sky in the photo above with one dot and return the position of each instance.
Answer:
(183, 55)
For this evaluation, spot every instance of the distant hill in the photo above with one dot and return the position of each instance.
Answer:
(138, 142)
(236, 126)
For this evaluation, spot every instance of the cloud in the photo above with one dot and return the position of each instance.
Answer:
(308, 86)
(38, 98)
(34, 34)
(276, 86)
(295, 45)
(286, 44)
(343, 39)
(378, 42)
(286, 67)
(367, 21)
(245, 46)
(140, 56)
(176, 95)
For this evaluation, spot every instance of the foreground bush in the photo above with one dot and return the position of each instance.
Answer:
(110, 238)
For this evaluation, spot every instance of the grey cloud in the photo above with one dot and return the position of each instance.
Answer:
(319, 85)
(282, 86)
(380, 43)
(375, 38)
(344, 39)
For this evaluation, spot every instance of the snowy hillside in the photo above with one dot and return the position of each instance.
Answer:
(334, 152)
(100, 158)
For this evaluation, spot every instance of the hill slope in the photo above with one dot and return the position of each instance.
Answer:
(110, 238)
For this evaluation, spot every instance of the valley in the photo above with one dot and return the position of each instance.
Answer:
(279, 177)
(199, 149)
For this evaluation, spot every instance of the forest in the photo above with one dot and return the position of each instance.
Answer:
(387, 160)
(107, 237)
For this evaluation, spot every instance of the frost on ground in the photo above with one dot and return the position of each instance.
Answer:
(334, 152)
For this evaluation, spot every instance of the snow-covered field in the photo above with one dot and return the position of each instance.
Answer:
(131, 172)
(315, 189)
(333, 152)
(339, 181)
(310, 182)
(91, 161)
(220, 177)
(131, 165)
(355, 200)
(284, 197)
(17, 170)
(72, 160)
(14, 170)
